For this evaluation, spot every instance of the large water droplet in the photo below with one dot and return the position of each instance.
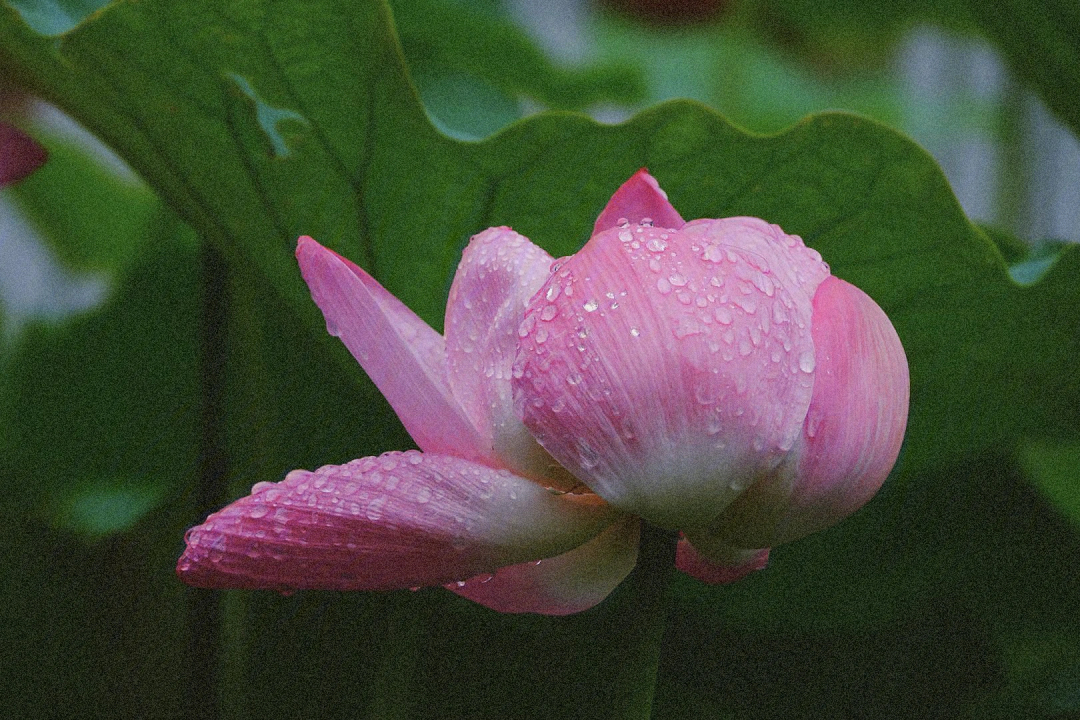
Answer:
(626, 236)
(806, 361)
(591, 305)
(423, 494)
(656, 244)
(663, 286)
(548, 313)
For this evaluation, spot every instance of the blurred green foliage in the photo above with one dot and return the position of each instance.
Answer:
(952, 594)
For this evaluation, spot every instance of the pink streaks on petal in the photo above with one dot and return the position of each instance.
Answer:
(638, 198)
(380, 523)
(499, 271)
(853, 429)
(679, 369)
(401, 354)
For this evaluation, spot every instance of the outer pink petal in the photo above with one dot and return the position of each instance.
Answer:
(853, 430)
(564, 584)
(639, 198)
(669, 370)
(499, 271)
(20, 154)
(401, 354)
(396, 521)
(726, 567)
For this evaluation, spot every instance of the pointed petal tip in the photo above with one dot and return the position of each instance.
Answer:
(639, 198)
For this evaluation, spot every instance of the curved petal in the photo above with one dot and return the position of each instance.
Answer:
(853, 430)
(382, 523)
(20, 154)
(564, 584)
(726, 565)
(499, 271)
(639, 198)
(401, 354)
(680, 367)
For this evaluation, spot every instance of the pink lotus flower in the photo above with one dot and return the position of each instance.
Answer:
(710, 377)
(20, 154)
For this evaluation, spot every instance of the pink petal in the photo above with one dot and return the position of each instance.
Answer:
(671, 369)
(20, 154)
(381, 523)
(638, 198)
(499, 271)
(401, 354)
(853, 430)
(723, 567)
(565, 584)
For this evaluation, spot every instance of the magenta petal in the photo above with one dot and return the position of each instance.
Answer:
(499, 271)
(564, 584)
(853, 429)
(736, 563)
(401, 354)
(668, 370)
(20, 154)
(380, 523)
(639, 198)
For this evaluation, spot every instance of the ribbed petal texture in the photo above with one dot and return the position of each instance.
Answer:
(395, 521)
(669, 369)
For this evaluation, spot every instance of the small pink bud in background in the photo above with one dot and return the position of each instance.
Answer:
(20, 154)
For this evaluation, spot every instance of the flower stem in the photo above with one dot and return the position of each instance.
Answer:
(651, 579)
(205, 613)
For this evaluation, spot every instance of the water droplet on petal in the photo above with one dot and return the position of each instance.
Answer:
(591, 306)
(713, 253)
(656, 245)
(663, 286)
(548, 313)
(625, 236)
(806, 361)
